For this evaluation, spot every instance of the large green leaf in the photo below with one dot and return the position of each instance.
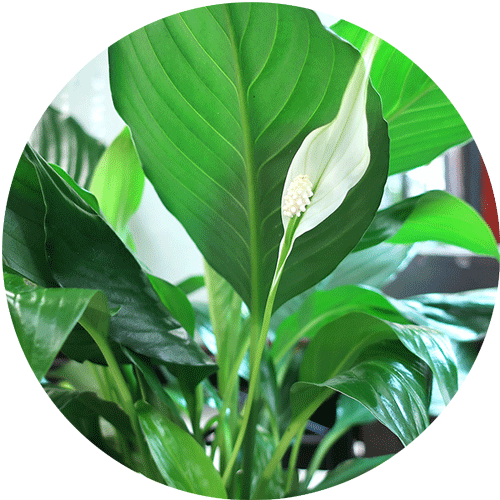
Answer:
(422, 121)
(84, 252)
(44, 317)
(180, 459)
(387, 379)
(432, 216)
(218, 100)
(461, 316)
(118, 182)
(338, 344)
(60, 139)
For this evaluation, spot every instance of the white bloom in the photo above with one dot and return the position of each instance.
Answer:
(333, 158)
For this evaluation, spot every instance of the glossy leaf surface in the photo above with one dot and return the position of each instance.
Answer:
(230, 92)
(422, 121)
(84, 252)
(387, 379)
(60, 139)
(337, 346)
(432, 216)
(180, 459)
(44, 317)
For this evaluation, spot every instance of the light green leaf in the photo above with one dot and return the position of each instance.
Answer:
(432, 216)
(422, 121)
(118, 182)
(180, 459)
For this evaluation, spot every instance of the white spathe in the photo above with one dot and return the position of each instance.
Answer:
(335, 156)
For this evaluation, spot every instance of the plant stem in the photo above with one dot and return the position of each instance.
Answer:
(124, 394)
(293, 429)
(256, 353)
(293, 459)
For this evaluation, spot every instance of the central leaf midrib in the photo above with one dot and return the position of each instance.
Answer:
(249, 161)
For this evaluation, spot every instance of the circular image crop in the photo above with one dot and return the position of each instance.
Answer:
(251, 251)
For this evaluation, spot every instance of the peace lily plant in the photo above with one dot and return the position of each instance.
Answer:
(270, 138)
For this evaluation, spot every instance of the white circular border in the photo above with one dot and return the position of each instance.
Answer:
(42, 454)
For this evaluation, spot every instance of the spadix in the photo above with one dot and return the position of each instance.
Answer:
(333, 158)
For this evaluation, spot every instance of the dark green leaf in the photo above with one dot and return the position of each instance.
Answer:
(348, 470)
(118, 182)
(338, 344)
(180, 459)
(422, 121)
(75, 405)
(23, 246)
(391, 382)
(432, 216)
(44, 317)
(84, 252)
(60, 139)
(218, 100)
(83, 410)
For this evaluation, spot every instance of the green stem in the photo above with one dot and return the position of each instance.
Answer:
(293, 459)
(256, 355)
(293, 429)
(124, 394)
(325, 444)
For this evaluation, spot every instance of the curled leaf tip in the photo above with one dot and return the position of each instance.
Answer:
(298, 196)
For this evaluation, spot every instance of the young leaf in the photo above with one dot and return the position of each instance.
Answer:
(422, 121)
(118, 182)
(84, 252)
(44, 317)
(229, 93)
(180, 459)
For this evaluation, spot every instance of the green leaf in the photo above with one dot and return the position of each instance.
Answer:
(322, 307)
(84, 252)
(23, 247)
(387, 379)
(118, 182)
(60, 139)
(83, 410)
(432, 216)
(338, 344)
(348, 470)
(218, 100)
(44, 317)
(75, 405)
(374, 267)
(175, 300)
(422, 121)
(180, 459)
(192, 284)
